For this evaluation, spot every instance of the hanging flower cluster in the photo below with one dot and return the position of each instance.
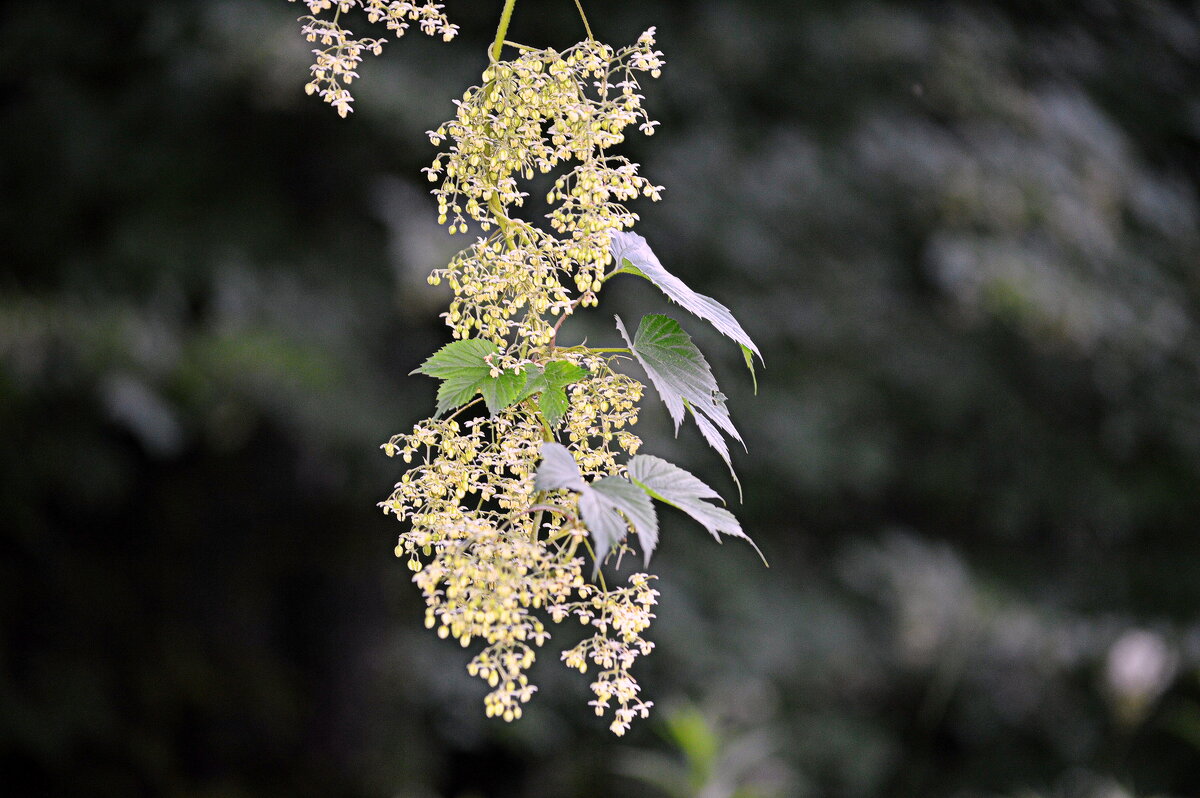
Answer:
(486, 566)
(506, 508)
(339, 53)
(530, 116)
(486, 561)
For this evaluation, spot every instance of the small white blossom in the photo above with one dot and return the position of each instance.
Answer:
(335, 62)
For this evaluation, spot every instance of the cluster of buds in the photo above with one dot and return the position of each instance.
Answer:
(619, 617)
(539, 112)
(485, 572)
(482, 583)
(339, 54)
(596, 425)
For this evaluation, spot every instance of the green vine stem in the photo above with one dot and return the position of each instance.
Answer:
(502, 29)
(583, 16)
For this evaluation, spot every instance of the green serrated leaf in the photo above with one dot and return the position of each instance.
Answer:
(607, 507)
(716, 440)
(666, 481)
(605, 525)
(636, 506)
(673, 485)
(558, 470)
(561, 373)
(535, 382)
(456, 392)
(464, 368)
(631, 252)
(682, 378)
(749, 356)
(502, 390)
(556, 376)
(456, 356)
(549, 382)
(554, 405)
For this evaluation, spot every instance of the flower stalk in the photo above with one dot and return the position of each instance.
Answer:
(502, 29)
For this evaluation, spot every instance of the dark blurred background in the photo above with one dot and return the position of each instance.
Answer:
(966, 235)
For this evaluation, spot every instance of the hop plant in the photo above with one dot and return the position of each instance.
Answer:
(529, 467)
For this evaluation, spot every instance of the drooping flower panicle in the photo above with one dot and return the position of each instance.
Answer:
(543, 111)
(504, 510)
(339, 53)
(491, 567)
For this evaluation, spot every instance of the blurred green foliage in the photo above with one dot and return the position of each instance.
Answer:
(966, 235)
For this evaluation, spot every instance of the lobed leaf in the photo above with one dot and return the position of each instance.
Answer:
(605, 526)
(607, 507)
(553, 404)
(502, 390)
(457, 391)
(535, 382)
(666, 481)
(550, 382)
(456, 356)
(558, 470)
(561, 373)
(636, 506)
(681, 489)
(632, 253)
(465, 370)
(682, 378)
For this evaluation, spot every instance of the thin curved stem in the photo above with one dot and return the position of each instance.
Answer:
(558, 324)
(502, 29)
(575, 304)
(583, 16)
(599, 573)
(472, 403)
(550, 508)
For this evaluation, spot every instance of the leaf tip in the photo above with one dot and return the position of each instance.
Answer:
(758, 551)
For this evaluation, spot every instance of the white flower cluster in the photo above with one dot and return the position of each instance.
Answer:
(531, 115)
(485, 571)
(483, 583)
(619, 616)
(339, 54)
(601, 410)
(494, 558)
